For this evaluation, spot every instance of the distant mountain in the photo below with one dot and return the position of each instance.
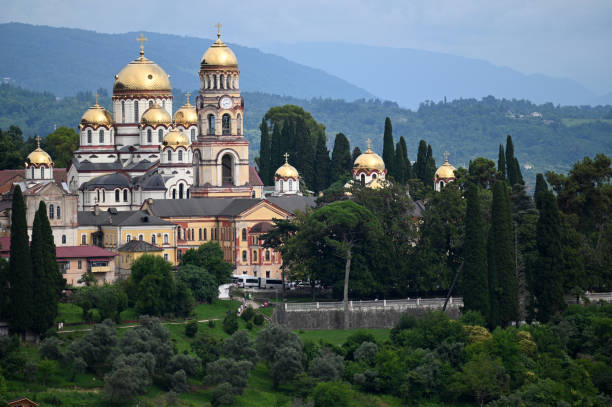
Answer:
(65, 61)
(410, 76)
(603, 100)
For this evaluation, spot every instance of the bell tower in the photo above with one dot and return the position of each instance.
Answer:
(221, 152)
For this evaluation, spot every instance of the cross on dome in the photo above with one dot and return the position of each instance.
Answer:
(286, 158)
(187, 96)
(142, 40)
(37, 138)
(97, 98)
(369, 143)
(446, 154)
(218, 25)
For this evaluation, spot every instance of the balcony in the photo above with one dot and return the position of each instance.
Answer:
(100, 269)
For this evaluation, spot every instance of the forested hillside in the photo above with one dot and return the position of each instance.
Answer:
(466, 128)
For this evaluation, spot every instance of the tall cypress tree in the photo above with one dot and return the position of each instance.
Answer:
(321, 164)
(399, 164)
(540, 188)
(356, 153)
(388, 151)
(501, 162)
(475, 274)
(407, 165)
(264, 153)
(276, 154)
(517, 172)
(341, 162)
(305, 153)
(548, 278)
(502, 268)
(430, 168)
(421, 163)
(20, 278)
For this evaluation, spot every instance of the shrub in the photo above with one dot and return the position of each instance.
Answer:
(249, 325)
(230, 323)
(211, 323)
(248, 314)
(331, 394)
(191, 329)
(258, 319)
(327, 366)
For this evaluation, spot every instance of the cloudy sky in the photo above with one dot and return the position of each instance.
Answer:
(567, 38)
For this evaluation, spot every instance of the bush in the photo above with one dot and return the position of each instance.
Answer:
(331, 394)
(258, 319)
(230, 323)
(248, 314)
(473, 318)
(211, 323)
(249, 325)
(191, 329)
(327, 366)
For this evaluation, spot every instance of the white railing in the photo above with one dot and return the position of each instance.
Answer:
(399, 305)
(592, 297)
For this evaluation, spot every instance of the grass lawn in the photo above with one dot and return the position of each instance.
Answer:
(69, 313)
(217, 309)
(339, 336)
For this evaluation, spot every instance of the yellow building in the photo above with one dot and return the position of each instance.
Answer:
(132, 250)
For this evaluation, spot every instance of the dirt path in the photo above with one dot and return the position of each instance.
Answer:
(135, 325)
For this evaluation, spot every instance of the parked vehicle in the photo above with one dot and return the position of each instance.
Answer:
(245, 281)
(270, 283)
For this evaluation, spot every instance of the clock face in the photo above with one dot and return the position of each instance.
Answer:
(226, 103)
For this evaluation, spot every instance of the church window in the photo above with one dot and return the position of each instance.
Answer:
(200, 233)
(153, 240)
(160, 135)
(51, 211)
(181, 190)
(103, 195)
(63, 239)
(254, 255)
(141, 237)
(128, 238)
(123, 111)
(227, 169)
(178, 232)
(362, 179)
(125, 195)
(226, 124)
(267, 273)
(244, 256)
(42, 172)
(136, 118)
(180, 155)
(117, 195)
(221, 81)
(252, 194)
(188, 189)
(98, 197)
(101, 136)
(169, 155)
(205, 233)
(166, 256)
(58, 212)
(149, 136)
(150, 103)
(281, 185)
(32, 172)
(88, 136)
(441, 184)
(290, 185)
(192, 234)
(166, 238)
(244, 234)
(84, 239)
(164, 103)
(211, 124)
(267, 255)
(173, 193)
(239, 124)
(193, 136)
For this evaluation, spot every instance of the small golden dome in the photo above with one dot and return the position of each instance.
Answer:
(175, 138)
(369, 161)
(155, 115)
(445, 171)
(186, 115)
(287, 170)
(142, 74)
(219, 54)
(96, 116)
(378, 183)
(38, 157)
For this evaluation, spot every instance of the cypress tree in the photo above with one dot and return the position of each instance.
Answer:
(502, 267)
(548, 273)
(517, 172)
(47, 280)
(399, 162)
(388, 151)
(430, 168)
(264, 154)
(421, 163)
(356, 153)
(407, 164)
(304, 152)
(540, 188)
(321, 164)
(20, 308)
(341, 163)
(276, 154)
(475, 274)
(501, 163)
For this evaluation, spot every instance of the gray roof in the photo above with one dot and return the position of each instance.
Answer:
(87, 165)
(107, 181)
(150, 181)
(140, 165)
(293, 203)
(122, 218)
(138, 245)
(418, 209)
(202, 206)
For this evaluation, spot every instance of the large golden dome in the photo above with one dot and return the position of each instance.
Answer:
(186, 115)
(219, 54)
(96, 116)
(369, 161)
(445, 171)
(156, 115)
(38, 157)
(287, 170)
(175, 138)
(142, 74)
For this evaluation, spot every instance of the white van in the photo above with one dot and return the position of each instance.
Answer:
(271, 283)
(245, 281)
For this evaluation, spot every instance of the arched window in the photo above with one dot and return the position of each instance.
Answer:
(101, 136)
(149, 136)
(221, 79)
(136, 118)
(180, 155)
(123, 111)
(178, 233)
(211, 124)
(164, 103)
(227, 170)
(244, 256)
(63, 239)
(244, 234)
(141, 237)
(254, 255)
(117, 195)
(153, 239)
(98, 197)
(166, 238)
(441, 184)
(88, 136)
(290, 185)
(226, 124)
(193, 136)
(84, 239)
(125, 195)
(188, 189)
(205, 234)
(51, 211)
(239, 124)
(281, 185)
(160, 135)
(374, 176)
(32, 172)
(127, 238)
(267, 255)
(200, 234)
(173, 193)
(362, 179)
(181, 190)
(42, 172)
(58, 212)
(169, 155)
(253, 194)
(103, 195)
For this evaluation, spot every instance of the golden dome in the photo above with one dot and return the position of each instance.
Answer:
(155, 115)
(287, 170)
(219, 54)
(369, 161)
(445, 171)
(38, 157)
(96, 116)
(142, 74)
(186, 115)
(175, 138)
(377, 183)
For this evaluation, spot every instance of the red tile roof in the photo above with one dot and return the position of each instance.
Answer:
(66, 252)
(254, 179)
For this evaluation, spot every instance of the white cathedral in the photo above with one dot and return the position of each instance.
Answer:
(141, 151)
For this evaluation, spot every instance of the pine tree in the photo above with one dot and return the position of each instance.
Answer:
(548, 278)
(47, 280)
(475, 274)
(388, 150)
(341, 163)
(400, 167)
(356, 153)
(407, 165)
(502, 268)
(20, 268)
(421, 163)
(321, 164)
(501, 162)
(540, 188)
(264, 153)
(276, 154)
